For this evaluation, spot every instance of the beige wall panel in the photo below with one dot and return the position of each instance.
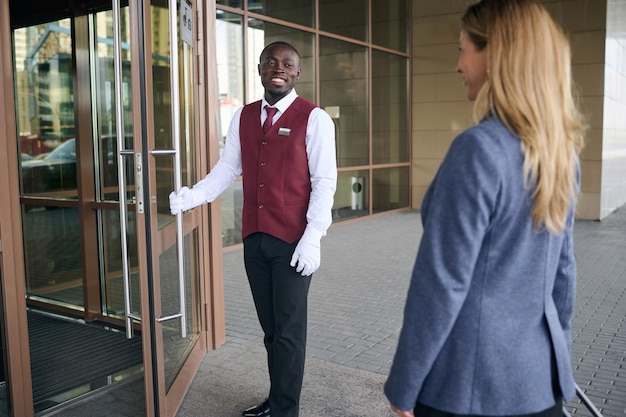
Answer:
(433, 30)
(439, 7)
(587, 47)
(451, 115)
(418, 192)
(424, 170)
(579, 15)
(425, 146)
(424, 88)
(450, 87)
(588, 207)
(434, 59)
(446, 86)
(593, 146)
(593, 108)
(591, 176)
(440, 110)
(589, 79)
(444, 140)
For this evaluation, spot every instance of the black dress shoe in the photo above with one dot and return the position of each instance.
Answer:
(260, 410)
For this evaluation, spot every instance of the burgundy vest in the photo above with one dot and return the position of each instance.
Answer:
(276, 180)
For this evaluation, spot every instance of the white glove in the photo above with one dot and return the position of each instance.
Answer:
(307, 254)
(185, 199)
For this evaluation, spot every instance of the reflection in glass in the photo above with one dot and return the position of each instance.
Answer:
(106, 122)
(231, 3)
(112, 279)
(390, 128)
(54, 172)
(53, 254)
(166, 277)
(232, 207)
(261, 34)
(230, 76)
(343, 88)
(390, 189)
(45, 109)
(175, 348)
(343, 83)
(230, 69)
(345, 17)
(71, 353)
(352, 196)
(300, 12)
(162, 106)
(390, 24)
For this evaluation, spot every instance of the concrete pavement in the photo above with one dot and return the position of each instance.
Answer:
(355, 312)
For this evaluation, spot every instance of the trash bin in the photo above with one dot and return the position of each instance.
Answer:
(358, 193)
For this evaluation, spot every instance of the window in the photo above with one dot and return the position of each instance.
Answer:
(357, 72)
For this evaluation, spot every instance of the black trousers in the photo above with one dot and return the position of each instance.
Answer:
(280, 297)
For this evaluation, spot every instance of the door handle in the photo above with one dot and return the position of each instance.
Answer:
(175, 99)
(122, 153)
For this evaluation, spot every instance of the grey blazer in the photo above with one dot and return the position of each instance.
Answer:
(490, 302)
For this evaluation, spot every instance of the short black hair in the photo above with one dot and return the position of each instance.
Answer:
(281, 43)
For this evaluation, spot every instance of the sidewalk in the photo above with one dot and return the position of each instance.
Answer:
(355, 313)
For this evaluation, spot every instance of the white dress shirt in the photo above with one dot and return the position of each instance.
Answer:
(320, 148)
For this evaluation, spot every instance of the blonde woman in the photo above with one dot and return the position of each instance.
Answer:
(486, 328)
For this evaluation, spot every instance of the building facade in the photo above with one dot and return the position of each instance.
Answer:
(104, 110)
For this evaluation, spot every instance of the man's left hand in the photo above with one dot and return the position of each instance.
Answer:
(307, 256)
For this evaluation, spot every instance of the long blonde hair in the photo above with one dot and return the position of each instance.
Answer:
(529, 88)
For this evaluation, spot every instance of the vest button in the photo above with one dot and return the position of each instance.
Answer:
(261, 185)
(262, 164)
(264, 142)
(261, 206)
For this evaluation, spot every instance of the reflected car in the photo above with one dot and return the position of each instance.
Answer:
(56, 171)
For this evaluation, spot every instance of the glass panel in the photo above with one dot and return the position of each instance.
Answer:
(45, 110)
(69, 358)
(163, 114)
(187, 123)
(232, 207)
(345, 17)
(390, 189)
(230, 77)
(175, 348)
(390, 129)
(53, 254)
(300, 12)
(344, 93)
(111, 263)
(106, 123)
(232, 3)
(261, 34)
(352, 196)
(230, 68)
(390, 20)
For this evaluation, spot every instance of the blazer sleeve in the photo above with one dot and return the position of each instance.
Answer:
(564, 291)
(463, 197)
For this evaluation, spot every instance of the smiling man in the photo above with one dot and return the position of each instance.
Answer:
(284, 146)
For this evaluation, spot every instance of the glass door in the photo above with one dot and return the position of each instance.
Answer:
(174, 243)
(105, 113)
(70, 220)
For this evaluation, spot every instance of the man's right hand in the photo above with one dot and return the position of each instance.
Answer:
(184, 200)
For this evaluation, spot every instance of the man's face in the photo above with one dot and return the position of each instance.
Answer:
(279, 68)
